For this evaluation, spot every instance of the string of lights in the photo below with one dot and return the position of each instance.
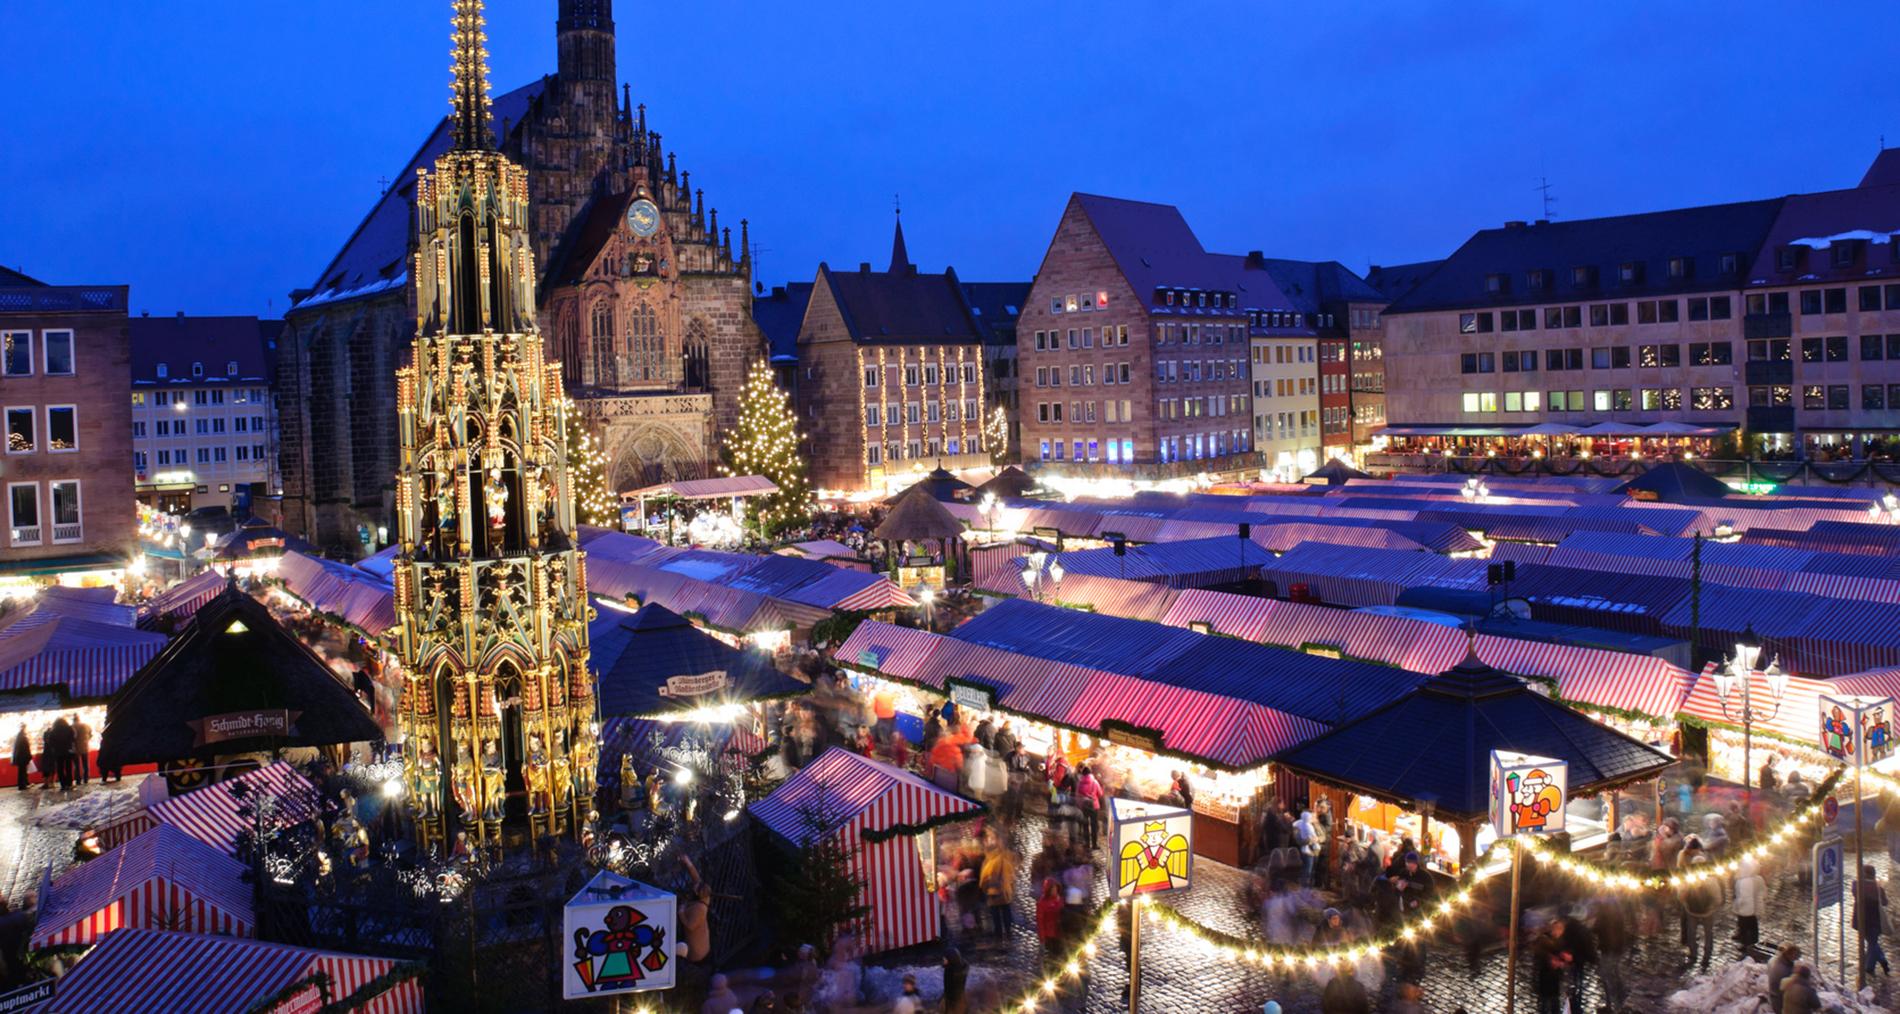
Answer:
(765, 442)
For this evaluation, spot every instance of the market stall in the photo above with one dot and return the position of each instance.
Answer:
(234, 688)
(161, 879)
(888, 817)
(61, 657)
(210, 814)
(194, 972)
(1428, 753)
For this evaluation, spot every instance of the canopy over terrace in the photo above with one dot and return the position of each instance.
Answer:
(1435, 744)
(655, 663)
(733, 487)
(1556, 439)
(232, 670)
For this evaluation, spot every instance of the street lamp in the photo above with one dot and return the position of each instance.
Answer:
(988, 506)
(928, 598)
(1475, 490)
(1055, 574)
(1742, 667)
(1032, 574)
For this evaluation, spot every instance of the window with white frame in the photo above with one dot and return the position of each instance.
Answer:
(23, 507)
(16, 353)
(62, 429)
(66, 526)
(22, 435)
(59, 353)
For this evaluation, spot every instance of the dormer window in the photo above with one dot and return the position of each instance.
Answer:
(1497, 285)
(1680, 268)
(161, 371)
(1787, 259)
(231, 368)
(1583, 276)
(1203, 299)
(197, 369)
(1731, 263)
(1539, 279)
(1170, 297)
(1630, 272)
(1844, 253)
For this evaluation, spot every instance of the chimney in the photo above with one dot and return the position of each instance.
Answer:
(778, 292)
(1372, 269)
(1543, 221)
(864, 267)
(145, 313)
(1256, 259)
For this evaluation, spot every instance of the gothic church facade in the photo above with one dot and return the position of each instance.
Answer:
(641, 297)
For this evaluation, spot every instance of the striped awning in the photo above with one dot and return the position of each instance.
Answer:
(1608, 679)
(1237, 734)
(893, 651)
(162, 972)
(858, 795)
(87, 658)
(162, 879)
(183, 598)
(210, 815)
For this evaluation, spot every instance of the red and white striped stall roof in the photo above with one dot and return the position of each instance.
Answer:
(210, 815)
(1235, 733)
(1242, 616)
(88, 658)
(162, 879)
(1608, 679)
(894, 651)
(162, 972)
(1798, 717)
(183, 599)
(1135, 600)
(858, 794)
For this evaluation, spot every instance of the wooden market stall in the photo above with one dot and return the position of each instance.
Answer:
(161, 879)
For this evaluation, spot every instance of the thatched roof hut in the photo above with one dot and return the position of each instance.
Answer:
(918, 516)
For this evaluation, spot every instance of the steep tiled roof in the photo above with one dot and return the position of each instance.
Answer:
(1399, 279)
(1154, 248)
(1703, 234)
(780, 315)
(375, 259)
(1809, 222)
(1307, 284)
(8, 276)
(997, 305)
(602, 220)
(216, 342)
(911, 305)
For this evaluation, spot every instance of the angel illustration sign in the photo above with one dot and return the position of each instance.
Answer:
(1857, 730)
(620, 938)
(1154, 848)
(1527, 794)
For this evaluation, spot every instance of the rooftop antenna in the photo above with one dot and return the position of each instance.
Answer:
(1544, 185)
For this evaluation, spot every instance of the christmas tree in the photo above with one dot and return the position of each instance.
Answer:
(765, 442)
(594, 503)
(996, 436)
(820, 894)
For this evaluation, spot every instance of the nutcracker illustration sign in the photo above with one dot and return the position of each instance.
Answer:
(1153, 847)
(620, 937)
(1857, 730)
(1528, 794)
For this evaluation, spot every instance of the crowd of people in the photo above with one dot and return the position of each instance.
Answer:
(65, 755)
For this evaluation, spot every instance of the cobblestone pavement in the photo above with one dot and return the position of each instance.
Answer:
(27, 850)
(1179, 976)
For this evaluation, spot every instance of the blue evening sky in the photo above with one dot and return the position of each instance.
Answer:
(215, 154)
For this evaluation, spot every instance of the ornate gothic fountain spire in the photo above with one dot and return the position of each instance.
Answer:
(472, 115)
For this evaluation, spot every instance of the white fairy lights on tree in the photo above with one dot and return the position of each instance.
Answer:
(765, 442)
(996, 435)
(594, 503)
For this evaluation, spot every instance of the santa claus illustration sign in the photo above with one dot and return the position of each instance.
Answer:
(1528, 794)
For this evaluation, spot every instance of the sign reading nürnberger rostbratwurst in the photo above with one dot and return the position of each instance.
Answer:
(243, 725)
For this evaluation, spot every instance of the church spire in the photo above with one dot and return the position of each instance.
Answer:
(472, 132)
(900, 257)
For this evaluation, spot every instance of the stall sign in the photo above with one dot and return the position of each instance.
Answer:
(630, 519)
(969, 695)
(867, 658)
(243, 725)
(1154, 847)
(1528, 794)
(308, 1000)
(1120, 736)
(694, 686)
(27, 996)
(1830, 861)
(1857, 730)
(619, 938)
(29, 700)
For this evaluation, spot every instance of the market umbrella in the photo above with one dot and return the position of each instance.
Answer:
(939, 484)
(235, 664)
(1675, 482)
(1011, 481)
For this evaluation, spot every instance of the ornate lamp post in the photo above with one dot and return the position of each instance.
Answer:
(1055, 575)
(988, 506)
(1742, 667)
(1032, 574)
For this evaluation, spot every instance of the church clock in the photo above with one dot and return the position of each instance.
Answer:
(643, 217)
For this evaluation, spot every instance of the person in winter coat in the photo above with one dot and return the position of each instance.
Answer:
(1306, 839)
(1700, 899)
(1668, 845)
(1714, 834)
(1580, 943)
(82, 749)
(58, 745)
(1549, 962)
(1750, 891)
(1869, 901)
(1049, 921)
(912, 999)
(956, 976)
(1798, 995)
(1780, 967)
(1613, 944)
(1090, 797)
(1344, 994)
(22, 756)
(998, 880)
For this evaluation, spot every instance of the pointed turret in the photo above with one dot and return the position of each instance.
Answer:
(470, 89)
(900, 257)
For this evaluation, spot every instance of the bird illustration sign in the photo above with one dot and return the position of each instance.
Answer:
(620, 937)
(1857, 730)
(1528, 794)
(1153, 847)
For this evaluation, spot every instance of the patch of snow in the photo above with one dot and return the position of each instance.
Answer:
(1823, 242)
(1742, 988)
(95, 809)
